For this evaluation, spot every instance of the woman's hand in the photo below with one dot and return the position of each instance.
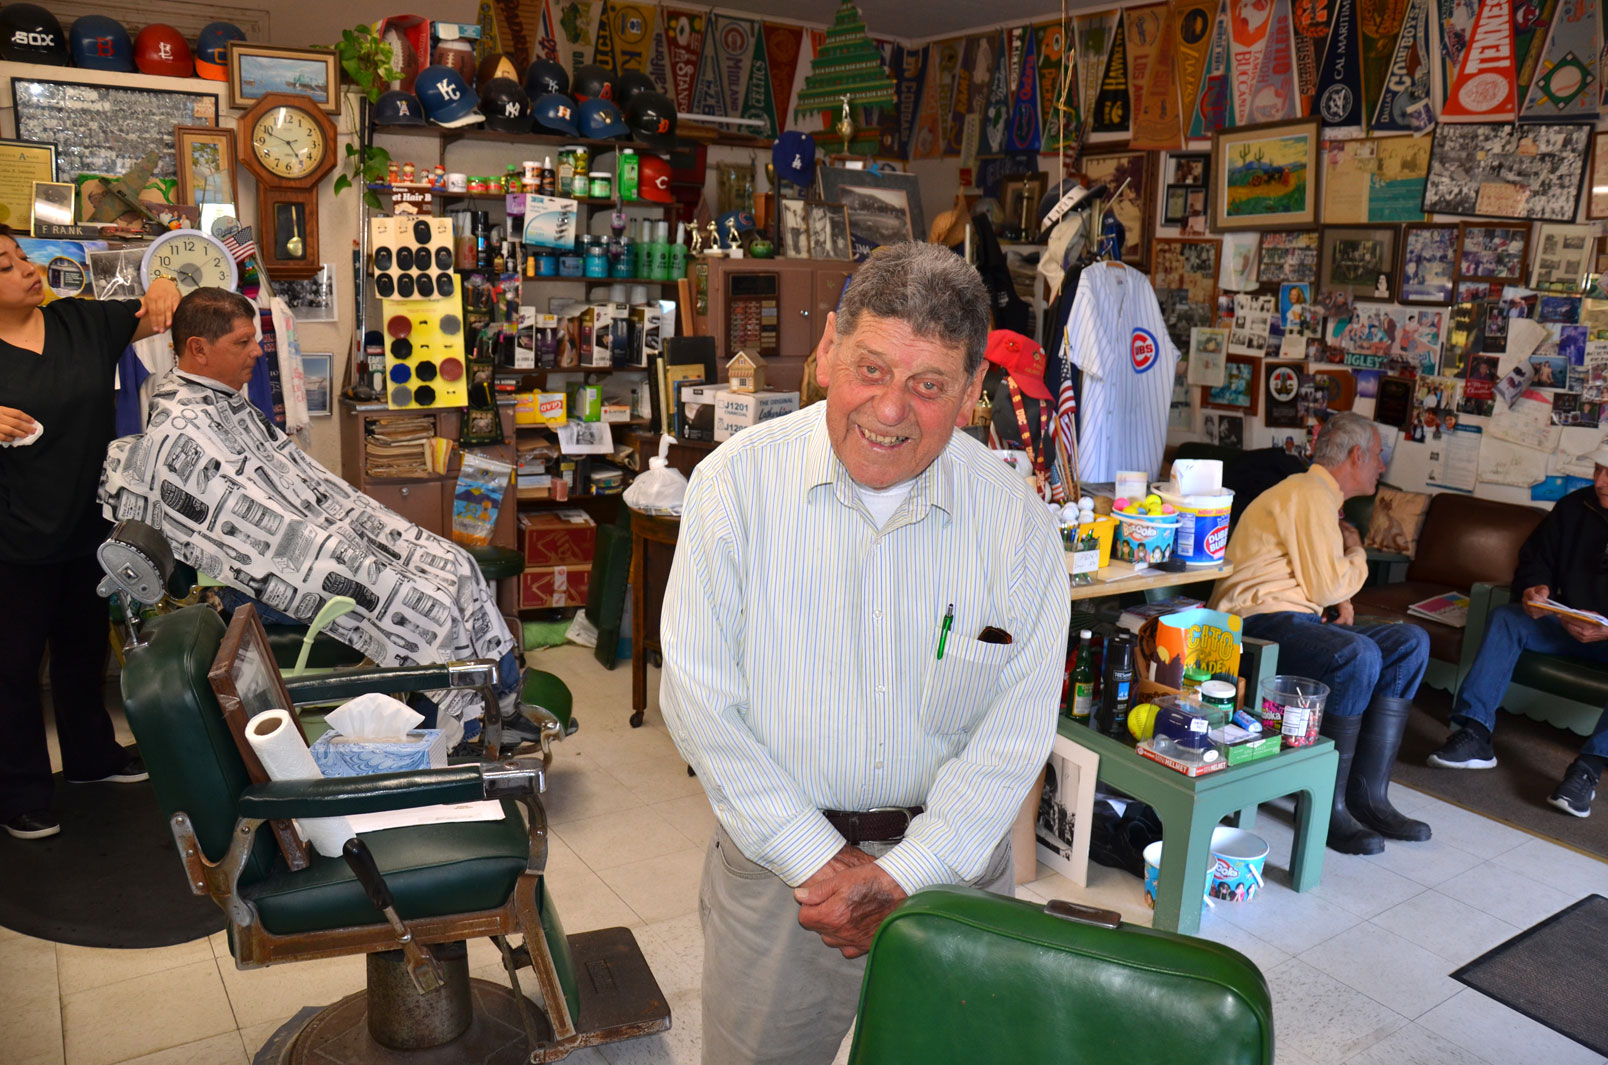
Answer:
(156, 309)
(14, 424)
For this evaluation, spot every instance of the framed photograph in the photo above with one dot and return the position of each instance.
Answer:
(1358, 260)
(1496, 170)
(317, 375)
(1191, 169)
(1288, 257)
(1241, 388)
(1184, 276)
(1175, 205)
(21, 164)
(312, 300)
(1019, 195)
(1374, 180)
(1428, 263)
(255, 70)
(1067, 799)
(1492, 253)
(207, 165)
(829, 230)
(877, 216)
(1133, 205)
(1223, 430)
(115, 274)
(1267, 176)
(1597, 186)
(834, 178)
(106, 130)
(1562, 257)
(792, 229)
(52, 204)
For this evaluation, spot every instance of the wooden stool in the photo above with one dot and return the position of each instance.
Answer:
(653, 547)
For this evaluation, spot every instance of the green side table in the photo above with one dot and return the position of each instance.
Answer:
(1190, 807)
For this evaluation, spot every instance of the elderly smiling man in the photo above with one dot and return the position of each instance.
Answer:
(865, 725)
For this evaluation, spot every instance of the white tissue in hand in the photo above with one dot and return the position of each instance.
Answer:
(38, 431)
(374, 717)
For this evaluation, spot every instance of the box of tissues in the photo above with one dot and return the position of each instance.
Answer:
(343, 756)
(375, 733)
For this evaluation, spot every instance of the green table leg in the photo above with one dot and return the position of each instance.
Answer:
(1182, 883)
(1245, 818)
(1312, 806)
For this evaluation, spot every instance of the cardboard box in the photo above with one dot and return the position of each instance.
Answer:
(738, 410)
(557, 537)
(646, 337)
(552, 408)
(1252, 750)
(605, 330)
(526, 409)
(337, 756)
(615, 413)
(695, 411)
(585, 402)
(1188, 769)
(554, 586)
(535, 341)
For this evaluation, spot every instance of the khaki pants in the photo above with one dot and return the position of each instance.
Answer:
(772, 991)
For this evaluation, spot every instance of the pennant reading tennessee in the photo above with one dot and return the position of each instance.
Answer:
(1022, 135)
(782, 49)
(1486, 89)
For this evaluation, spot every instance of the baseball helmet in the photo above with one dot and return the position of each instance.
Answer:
(101, 43)
(545, 76)
(653, 179)
(447, 98)
(629, 84)
(598, 119)
(30, 34)
(398, 108)
(651, 118)
(496, 65)
(212, 50)
(161, 49)
(592, 82)
(505, 106)
(554, 113)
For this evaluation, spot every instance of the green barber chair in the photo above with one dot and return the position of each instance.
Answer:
(958, 976)
(408, 897)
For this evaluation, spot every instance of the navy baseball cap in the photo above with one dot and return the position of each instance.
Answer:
(793, 155)
(101, 43)
(448, 100)
(212, 50)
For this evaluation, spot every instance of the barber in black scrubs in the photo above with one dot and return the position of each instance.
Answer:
(58, 368)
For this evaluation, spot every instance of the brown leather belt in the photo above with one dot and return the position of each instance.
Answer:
(885, 824)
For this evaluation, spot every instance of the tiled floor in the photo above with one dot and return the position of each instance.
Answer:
(1358, 967)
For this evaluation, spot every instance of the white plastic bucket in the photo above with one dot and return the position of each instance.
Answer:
(1152, 856)
(1202, 527)
(1237, 860)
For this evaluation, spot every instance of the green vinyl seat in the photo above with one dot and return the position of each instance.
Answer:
(497, 563)
(959, 976)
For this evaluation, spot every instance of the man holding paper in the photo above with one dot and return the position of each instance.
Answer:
(1564, 564)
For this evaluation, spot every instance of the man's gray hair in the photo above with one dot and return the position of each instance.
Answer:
(1339, 435)
(929, 288)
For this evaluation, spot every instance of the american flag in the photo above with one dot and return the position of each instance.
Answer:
(1066, 433)
(240, 244)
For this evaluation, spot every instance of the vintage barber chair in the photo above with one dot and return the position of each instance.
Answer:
(406, 897)
(958, 976)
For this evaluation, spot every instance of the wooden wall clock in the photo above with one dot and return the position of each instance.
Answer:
(288, 144)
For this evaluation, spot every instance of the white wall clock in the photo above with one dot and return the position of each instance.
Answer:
(191, 259)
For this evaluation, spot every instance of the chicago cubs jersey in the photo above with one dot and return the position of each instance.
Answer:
(1116, 336)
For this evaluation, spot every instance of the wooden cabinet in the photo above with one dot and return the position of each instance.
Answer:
(421, 502)
(776, 308)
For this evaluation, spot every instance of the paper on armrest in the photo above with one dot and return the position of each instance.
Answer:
(483, 810)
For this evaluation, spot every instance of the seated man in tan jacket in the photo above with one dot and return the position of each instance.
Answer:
(1295, 557)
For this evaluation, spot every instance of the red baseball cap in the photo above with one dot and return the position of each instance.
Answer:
(1022, 358)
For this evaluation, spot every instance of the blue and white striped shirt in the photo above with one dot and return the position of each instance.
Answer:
(800, 666)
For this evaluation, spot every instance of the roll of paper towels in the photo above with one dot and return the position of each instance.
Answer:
(284, 755)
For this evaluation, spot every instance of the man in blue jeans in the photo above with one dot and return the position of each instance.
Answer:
(1297, 563)
(1565, 560)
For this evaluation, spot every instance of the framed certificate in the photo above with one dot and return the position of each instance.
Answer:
(21, 164)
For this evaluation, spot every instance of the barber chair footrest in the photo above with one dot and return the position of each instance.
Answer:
(619, 999)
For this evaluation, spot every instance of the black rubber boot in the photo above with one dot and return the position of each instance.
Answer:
(1368, 791)
(1345, 834)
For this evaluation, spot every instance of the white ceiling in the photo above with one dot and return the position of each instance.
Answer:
(914, 20)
